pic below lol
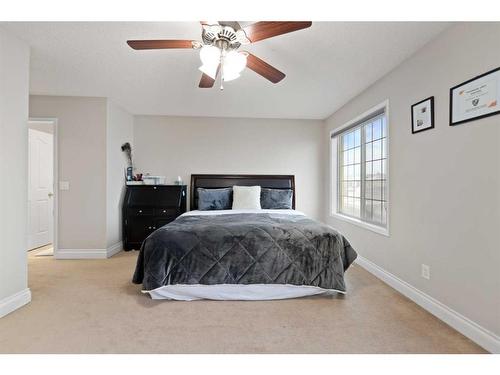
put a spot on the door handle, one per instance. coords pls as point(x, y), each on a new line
point(50, 195)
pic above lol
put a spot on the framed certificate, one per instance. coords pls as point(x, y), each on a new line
point(422, 115)
point(476, 98)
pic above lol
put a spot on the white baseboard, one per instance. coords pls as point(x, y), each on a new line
point(114, 249)
point(81, 254)
point(89, 253)
point(481, 336)
point(15, 301)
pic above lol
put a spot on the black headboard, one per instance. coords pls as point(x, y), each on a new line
point(214, 181)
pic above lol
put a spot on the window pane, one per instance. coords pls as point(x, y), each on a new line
point(377, 190)
point(384, 173)
point(377, 150)
point(345, 204)
point(377, 129)
point(368, 189)
point(377, 212)
point(357, 155)
point(377, 170)
point(356, 207)
point(357, 189)
point(384, 147)
point(357, 137)
point(345, 141)
point(368, 209)
point(384, 127)
point(357, 172)
point(368, 170)
point(368, 151)
point(368, 132)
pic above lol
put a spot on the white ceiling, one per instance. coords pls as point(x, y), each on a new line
point(326, 65)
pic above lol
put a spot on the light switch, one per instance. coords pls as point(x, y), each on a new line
point(63, 185)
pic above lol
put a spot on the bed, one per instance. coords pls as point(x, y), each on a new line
point(247, 254)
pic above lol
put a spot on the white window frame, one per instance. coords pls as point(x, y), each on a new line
point(333, 160)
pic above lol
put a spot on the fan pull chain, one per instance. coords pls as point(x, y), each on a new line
point(222, 73)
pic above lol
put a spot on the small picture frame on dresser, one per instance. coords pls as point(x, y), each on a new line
point(422, 115)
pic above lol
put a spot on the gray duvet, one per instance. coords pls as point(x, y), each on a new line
point(262, 248)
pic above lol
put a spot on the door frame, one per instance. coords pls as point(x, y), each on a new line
point(55, 187)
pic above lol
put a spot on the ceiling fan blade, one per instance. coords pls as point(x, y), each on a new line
point(206, 82)
point(264, 69)
point(268, 29)
point(160, 44)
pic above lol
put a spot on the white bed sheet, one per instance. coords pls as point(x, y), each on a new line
point(228, 212)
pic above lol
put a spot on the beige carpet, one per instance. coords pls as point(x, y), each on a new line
point(90, 306)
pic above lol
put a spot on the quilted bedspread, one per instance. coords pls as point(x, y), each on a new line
point(260, 248)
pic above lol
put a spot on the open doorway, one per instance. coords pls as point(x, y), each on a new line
point(42, 197)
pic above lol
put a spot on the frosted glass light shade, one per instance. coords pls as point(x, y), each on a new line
point(234, 64)
point(210, 58)
point(210, 55)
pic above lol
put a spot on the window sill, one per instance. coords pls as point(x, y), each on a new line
point(362, 224)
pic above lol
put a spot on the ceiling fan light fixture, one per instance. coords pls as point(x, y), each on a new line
point(210, 55)
point(234, 64)
point(230, 75)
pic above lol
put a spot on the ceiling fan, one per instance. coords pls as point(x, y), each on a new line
point(219, 48)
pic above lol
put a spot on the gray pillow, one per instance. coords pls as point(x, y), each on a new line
point(276, 198)
point(215, 199)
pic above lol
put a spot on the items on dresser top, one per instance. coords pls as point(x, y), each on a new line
point(154, 180)
point(149, 207)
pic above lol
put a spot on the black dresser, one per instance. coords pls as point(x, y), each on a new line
point(149, 207)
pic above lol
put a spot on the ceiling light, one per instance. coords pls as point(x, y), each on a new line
point(210, 57)
point(234, 64)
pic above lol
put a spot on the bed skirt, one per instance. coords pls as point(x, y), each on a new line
point(236, 292)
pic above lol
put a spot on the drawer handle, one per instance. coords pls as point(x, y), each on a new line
point(164, 211)
point(154, 227)
point(140, 211)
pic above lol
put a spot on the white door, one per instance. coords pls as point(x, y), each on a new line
point(40, 189)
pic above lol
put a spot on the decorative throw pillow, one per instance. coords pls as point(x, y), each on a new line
point(276, 199)
point(246, 197)
point(214, 199)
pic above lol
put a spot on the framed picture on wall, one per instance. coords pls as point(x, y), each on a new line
point(422, 115)
point(476, 98)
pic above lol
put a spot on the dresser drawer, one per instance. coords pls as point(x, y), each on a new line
point(141, 211)
point(165, 212)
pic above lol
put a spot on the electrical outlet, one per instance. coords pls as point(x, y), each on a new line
point(426, 272)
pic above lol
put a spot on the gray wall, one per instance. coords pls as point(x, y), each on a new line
point(82, 162)
point(444, 183)
point(119, 130)
point(14, 87)
point(175, 146)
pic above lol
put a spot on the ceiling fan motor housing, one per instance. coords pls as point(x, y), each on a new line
point(223, 37)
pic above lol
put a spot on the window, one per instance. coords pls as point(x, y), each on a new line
point(359, 152)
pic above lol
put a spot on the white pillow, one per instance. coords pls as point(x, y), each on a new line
point(246, 197)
